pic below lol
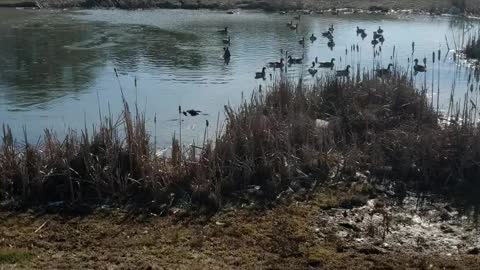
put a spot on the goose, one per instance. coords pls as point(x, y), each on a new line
point(380, 30)
point(331, 29)
point(343, 73)
point(381, 39)
point(302, 41)
point(224, 31)
point(360, 31)
point(226, 53)
point(260, 75)
point(374, 42)
point(290, 23)
point(312, 69)
point(331, 44)
point(327, 64)
point(227, 40)
point(384, 71)
point(294, 26)
point(276, 64)
point(192, 112)
point(419, 68)
point(376, 35)
point(313, 37)
point(327, 34)
point(363, 35)
point(292, 60)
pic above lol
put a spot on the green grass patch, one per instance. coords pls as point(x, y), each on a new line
point(14, 256)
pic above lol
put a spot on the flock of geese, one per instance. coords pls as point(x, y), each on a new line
point(377, 38)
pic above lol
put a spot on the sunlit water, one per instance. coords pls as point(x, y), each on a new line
point(57, 68)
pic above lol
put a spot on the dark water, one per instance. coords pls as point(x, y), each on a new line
point(57, 68)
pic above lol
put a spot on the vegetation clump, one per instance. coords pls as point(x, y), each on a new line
point(291, 137)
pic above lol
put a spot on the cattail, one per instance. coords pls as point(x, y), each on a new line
point(206, 123)
point(439, 53)
point(425, 61)
point(116, 73)
point(179, 109)
point(433, 57)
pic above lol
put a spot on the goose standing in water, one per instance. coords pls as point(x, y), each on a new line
point(312, 69)
point(380, 30)
point(419, 68)
point(313, 37)
point(260, 75)
point(384, 71)
point(226, 40)
point(224, 31)
point(343, 73)
point(226, 54)
point(327, 64)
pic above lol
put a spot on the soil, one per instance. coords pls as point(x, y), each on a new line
point(332, 229)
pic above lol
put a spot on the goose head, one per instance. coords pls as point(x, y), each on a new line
point(416, 61)
point(331, 61)
point(348, 68)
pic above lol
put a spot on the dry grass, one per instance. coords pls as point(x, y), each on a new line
point(270, 145)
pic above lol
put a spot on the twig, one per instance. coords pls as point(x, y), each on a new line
point(41, 226)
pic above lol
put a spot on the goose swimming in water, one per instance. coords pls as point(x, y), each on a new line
point(312, 69)
point(191, 112)
point(327, 64)
point(294, 26)
point(292, 60)
point(276, 64)
point(384, 71)
point(313, 37)
point(260, 75)
point(419, 68)
point(331, 29)
point(360, 31)
point(381, 39)
point(374, 42)
point(376, 35)
point(327, 34)
point(343, 73)
point(331, 43)
point(227, 40)
point(380, 30)
point(302, 41)
point(363, 35)
point(224, 31)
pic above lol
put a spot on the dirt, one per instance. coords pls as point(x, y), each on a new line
point(332, 229)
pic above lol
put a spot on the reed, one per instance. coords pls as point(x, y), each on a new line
point(289, 137)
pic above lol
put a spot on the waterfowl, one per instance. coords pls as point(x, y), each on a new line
point(360, 31)
point(302, 41)
point(331, 29)
point(380, 30)
point(419, 68)
point(226, 53)
point(313, 38)
point(327, 34)
point(381, 39)
point(292, 60)
point(260, 75)
point(290, 23)
point(327, 64)
point(276, 64)
point(224, 31)
point(226, 41)
point(363, 35)
point(374, 42)
point(343, 73)
point(376, 35)
point(384, 71)
point(192, 112)
point(294, 26)
point(312, 69)
point(331, 44)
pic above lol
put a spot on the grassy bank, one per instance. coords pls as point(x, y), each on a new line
point(472, 49)
point(289, 138)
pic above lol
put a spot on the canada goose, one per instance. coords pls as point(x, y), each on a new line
point(312, 69)
point(327, 64)
point(363, 35)
point(376, 35)
point(224, 31)
point(294, 26)
point(380, 30)
point(419, 68)
point(292, 60)
point(313, 37)
point(384, 71)
point(331, 29)
point(276, 64)
point(192, 112)
point(327, 34)
point(343, 73)
point(381, 39)
point(374, 42)
point(227, 40)
point(360, 31)
point(226, 53)
point(290, 23)
point(260, 75)
point(302, 41)
point(331, 44)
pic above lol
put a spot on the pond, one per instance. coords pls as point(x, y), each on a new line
point(57, 68)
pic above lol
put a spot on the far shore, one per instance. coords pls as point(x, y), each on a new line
point(320, 6)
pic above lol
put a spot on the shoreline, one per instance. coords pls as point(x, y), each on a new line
point(305, 6)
